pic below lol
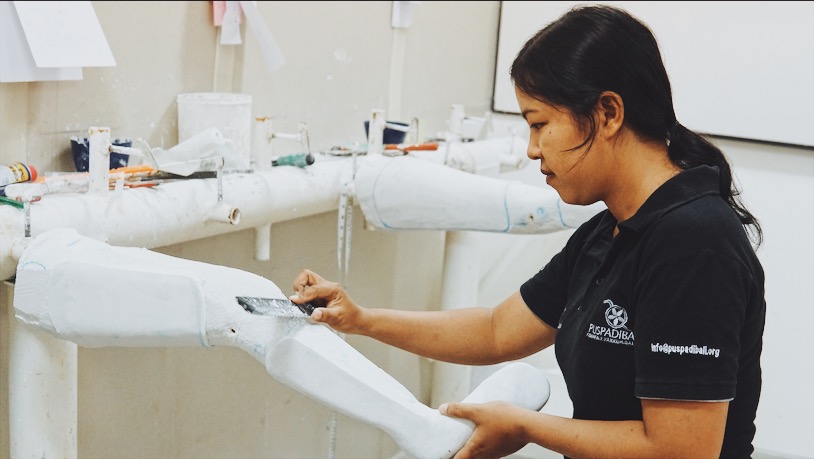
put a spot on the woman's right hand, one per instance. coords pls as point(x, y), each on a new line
point(335, 306)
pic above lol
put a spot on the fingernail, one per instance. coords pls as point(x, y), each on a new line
point(443, 408)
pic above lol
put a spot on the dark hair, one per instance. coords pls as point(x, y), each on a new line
point(593, 49)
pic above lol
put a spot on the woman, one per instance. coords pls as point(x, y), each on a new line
point(655, 306)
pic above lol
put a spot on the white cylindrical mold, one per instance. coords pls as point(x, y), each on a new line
point(407, 193)
point(230, 113)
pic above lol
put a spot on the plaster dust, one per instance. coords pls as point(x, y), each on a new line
point(96, 295)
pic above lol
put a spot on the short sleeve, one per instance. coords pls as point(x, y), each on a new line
point(546, 292)
point(689, 315)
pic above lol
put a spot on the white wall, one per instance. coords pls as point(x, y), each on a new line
point(713, 51)
point(778, 187)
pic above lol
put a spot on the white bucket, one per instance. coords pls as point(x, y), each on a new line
point(230, 113)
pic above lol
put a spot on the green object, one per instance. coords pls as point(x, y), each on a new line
point(11, 202)
point(299, 160)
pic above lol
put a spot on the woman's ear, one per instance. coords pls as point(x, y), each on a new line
point(610, 110)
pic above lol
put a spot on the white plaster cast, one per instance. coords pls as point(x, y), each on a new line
point(94, 294)
point(406, 193)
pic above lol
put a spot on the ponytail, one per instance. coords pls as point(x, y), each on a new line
point(688, 149)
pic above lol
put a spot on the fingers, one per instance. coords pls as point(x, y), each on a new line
point(334, 307)
point(472, 448)
point(306, 278)
point(457, 410)
point(302, 284)
point(310, 287)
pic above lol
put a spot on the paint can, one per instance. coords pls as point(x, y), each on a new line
point(14, 173)
point(394, 132)
point(230, 113)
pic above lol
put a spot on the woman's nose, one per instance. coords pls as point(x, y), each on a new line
point(533, 151)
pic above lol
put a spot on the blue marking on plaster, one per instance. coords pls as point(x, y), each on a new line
point(506, 208)
point(559, 210)
point(36, 263)
point(375, 205)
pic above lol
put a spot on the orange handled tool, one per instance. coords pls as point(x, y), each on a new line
point(415, 147)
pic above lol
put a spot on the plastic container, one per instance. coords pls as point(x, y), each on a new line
point(15, 173)
point(230, 113)
point(79, 150)
point(390, 135)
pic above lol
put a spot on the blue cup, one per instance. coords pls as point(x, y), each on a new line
point(79, 150)
point(390, 135)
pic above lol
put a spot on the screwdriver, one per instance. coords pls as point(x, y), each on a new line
point(299, 160)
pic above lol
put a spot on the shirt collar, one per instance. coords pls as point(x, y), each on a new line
point(684, 187)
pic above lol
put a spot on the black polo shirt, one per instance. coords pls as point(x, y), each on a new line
point(671, 308)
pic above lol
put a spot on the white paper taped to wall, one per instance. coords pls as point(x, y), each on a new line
point(66, 285)
point(64, 34)
point(269, 50)
point(230, 24)
point(16, 62)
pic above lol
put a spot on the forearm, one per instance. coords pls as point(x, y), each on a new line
point(577, 438)
point(461, 336)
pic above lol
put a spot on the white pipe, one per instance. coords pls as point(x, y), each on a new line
point(179, 211)
point(459, 289)
point(261, 148)
point(262, 242)
point(99, 159)
point(42, 394)
point(223, 213)
point(375, 133)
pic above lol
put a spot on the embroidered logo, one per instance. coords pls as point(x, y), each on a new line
point(616, 332)
point(615, 316)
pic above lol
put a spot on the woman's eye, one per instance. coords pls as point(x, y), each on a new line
point(537, 126)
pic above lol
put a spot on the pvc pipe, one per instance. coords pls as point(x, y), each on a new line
point(179, 211)
point(375, 133)
point(99, 159)
point(459, 289)
point(42, 392)
point(262, 242)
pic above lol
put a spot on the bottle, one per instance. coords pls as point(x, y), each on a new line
point(14, 173)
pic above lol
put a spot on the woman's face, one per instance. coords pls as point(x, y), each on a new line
point(575, 174)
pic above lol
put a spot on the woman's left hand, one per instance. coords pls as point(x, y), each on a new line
point(499, 430)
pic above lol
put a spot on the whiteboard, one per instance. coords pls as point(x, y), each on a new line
point(738, 69)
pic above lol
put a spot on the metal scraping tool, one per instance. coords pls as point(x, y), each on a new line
point(279, 307)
